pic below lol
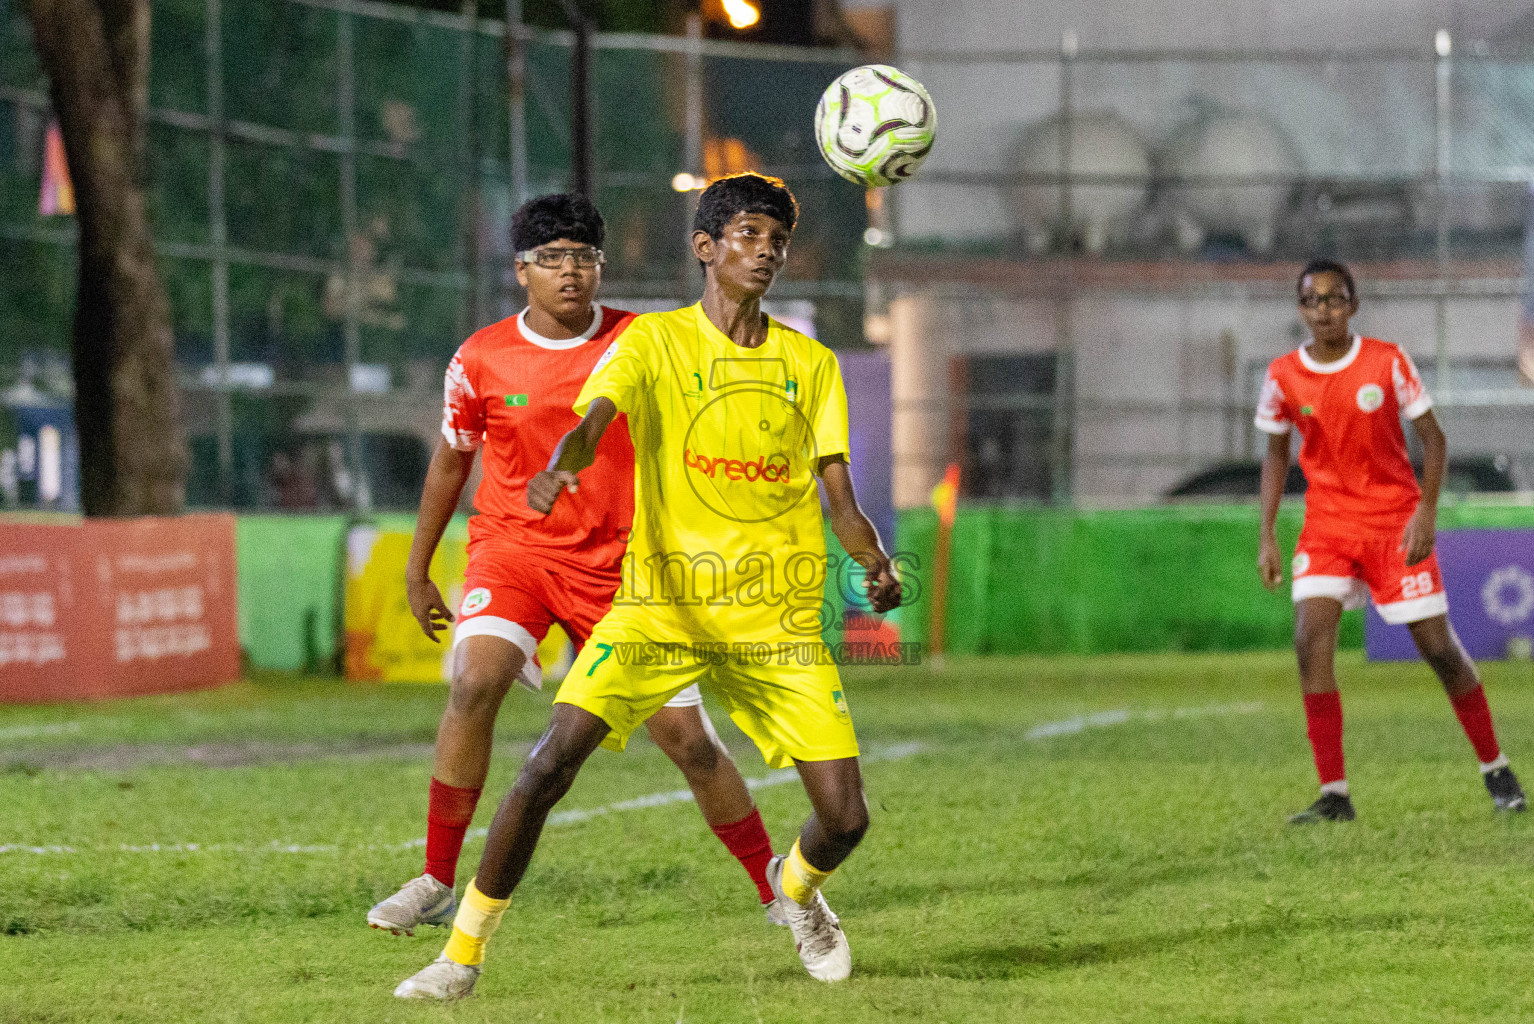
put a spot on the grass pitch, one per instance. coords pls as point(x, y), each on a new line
point(1053, 840)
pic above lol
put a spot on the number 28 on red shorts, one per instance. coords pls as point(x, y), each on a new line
point(1353, 569)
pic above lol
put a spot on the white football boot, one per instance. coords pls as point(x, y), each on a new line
point(817, 933)
point(422, 900)
point(776, 915)
point(442, 979)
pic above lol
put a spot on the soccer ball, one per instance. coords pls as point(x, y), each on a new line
point(875, 125)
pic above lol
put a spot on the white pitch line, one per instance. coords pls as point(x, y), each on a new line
point(894, 752)
point(65, 728)
point(1120, 716)
point(677, 796)
point(1069, 726)
point(26, 732)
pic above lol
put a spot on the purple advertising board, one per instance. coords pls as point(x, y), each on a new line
point(1489, 577)
point(869, 415)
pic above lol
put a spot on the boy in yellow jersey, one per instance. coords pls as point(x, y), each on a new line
point(732, 416)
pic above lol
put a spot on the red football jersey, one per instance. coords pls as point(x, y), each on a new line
point(510, 392)
point(1349, 416)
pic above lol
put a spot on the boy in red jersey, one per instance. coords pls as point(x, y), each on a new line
point(1369, 529)
point(509, 391)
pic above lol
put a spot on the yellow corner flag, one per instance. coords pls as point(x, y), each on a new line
point(945, 496)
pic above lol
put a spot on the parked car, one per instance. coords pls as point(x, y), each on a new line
point(1242, 478)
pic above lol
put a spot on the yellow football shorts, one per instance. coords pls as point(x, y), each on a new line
point(786, 696)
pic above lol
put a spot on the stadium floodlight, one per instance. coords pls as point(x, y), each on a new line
point(742, 13)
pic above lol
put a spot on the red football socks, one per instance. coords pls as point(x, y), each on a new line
point(747, 840)
point(448, 813)
point(1323, 724)
point(1470, 707)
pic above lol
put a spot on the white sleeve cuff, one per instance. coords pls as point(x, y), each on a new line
point(1418, 407)
point(1268, 426)
point(461, 440)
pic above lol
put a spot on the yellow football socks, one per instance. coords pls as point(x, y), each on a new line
point(801, 879)
point(478, 917)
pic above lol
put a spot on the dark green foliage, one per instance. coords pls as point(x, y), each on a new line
point(178, 185)
point(189, 286)
point(414, 65)
point(178, 56)
point(280, 66)
point(37, 286)
point(278, 316)
point(284, 200)
point(430, 118)
point(18, 63)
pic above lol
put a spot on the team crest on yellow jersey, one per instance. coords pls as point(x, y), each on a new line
point(749, 452)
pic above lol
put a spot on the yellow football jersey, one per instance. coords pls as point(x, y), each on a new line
point(727, 543)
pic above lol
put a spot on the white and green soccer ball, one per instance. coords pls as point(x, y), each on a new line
point(875, 125)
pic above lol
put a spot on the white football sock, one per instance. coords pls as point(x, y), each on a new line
point(1487, 767)
point(1340, 787)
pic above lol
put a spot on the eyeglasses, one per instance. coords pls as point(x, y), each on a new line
point(553, 259)
point(1333, 301)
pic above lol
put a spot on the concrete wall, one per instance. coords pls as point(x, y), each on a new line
point(1177, 24)
point(1151, 372)
point(1367, 117)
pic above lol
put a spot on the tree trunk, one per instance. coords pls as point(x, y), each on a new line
point(132, 454)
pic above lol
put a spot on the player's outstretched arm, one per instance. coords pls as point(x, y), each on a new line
point(1422, 528)
point(1275, 470)
point(445, 478)
point(858, 536)
point(575, 451)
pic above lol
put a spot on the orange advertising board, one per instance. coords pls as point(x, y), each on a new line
point(116, 608)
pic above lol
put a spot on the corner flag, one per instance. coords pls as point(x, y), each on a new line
point(945, 498)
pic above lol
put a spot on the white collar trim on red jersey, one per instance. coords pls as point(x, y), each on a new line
point(1336, 366)
point(559, 344)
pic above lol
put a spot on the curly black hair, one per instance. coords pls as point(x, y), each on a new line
point(744, 193)
point(542, 220)
point(1327, 267)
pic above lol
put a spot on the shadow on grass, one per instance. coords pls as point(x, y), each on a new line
point(1105, 881)
point(1002, 961)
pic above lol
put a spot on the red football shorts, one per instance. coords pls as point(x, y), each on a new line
point(1355, 566)
point(517, 599)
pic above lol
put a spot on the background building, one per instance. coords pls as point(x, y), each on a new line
point(1086, 312)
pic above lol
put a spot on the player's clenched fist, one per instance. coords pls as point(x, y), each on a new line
point(1420, 535)
point(1269, 564)
point(546, 486)
point(427, 606)
point(882, 587)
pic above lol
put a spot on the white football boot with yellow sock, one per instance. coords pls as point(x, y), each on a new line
point(453, 974)
point(817, 933)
